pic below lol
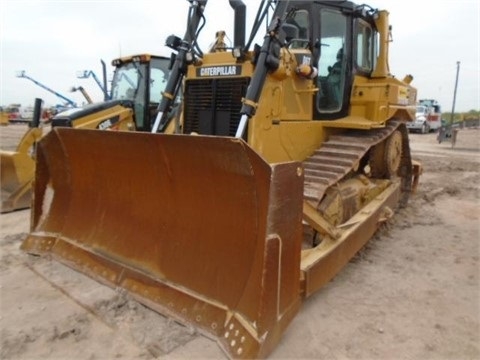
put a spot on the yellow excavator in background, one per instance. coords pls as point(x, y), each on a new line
point(136, 88)
point(3, 117)
point(285, 160)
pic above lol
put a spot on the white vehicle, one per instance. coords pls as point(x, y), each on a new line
point(420, 124)
point(27, 113)
point(434, 115)
point(428, 117)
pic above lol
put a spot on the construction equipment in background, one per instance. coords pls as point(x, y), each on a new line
point(137, 84)
point(136, 90)
point(85, 74)
point(17, 167)
point(3, 117)
point(69, 102)
point(84, 93)
point(294, 164)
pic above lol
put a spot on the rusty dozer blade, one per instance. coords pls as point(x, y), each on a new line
point(198, 228)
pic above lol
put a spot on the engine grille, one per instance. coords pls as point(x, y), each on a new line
point(212, 106)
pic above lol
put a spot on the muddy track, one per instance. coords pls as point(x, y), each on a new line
point(337, 157)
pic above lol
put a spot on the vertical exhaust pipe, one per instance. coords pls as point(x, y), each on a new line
point(382, 69)
point(106, 96)
point(239, 22)
point(37, 113)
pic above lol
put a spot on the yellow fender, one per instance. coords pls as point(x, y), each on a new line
point(16, 172)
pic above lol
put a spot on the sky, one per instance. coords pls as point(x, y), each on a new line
point(51, 40)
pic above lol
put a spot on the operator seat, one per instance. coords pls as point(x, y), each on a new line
point(334, 81)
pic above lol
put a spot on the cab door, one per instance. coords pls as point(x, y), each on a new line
point(334, 62)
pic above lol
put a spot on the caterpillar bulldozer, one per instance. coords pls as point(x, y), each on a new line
point(279, 168)
point(136, 90)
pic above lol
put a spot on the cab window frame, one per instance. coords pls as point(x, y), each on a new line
point(365, 47)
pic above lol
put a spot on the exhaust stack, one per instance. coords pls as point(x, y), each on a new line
point(240, 20)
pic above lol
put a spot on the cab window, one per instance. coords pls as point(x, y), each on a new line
point(300, 24)
point(158, 79)
point(365, 48)
point(332, 64)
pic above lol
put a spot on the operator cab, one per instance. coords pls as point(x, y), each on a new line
point(141, 79)
point(342, 38)
point(138, 83)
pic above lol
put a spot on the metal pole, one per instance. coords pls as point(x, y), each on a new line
point(455, 93)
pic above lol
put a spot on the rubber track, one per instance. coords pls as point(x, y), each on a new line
point(337, 157)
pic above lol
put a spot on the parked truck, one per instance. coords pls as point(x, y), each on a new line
point(428, 117)
point(433, 112)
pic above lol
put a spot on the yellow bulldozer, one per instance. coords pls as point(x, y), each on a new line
point(136, 89)
point(285, 159)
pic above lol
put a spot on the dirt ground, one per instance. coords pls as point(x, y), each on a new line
point(412, 293)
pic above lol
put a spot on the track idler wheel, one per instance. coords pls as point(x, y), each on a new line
point(393, 153)
point(385, 158)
